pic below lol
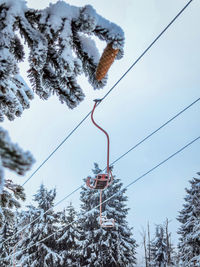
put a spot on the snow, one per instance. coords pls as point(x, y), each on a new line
point(88, 18)
point(2, 182)
point(115, 32)
point(88, 46)
point(62, 10)
point(16, 6)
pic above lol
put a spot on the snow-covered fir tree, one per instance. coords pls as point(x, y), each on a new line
point(176, 258)
point(159, 248)
point(60, 48)
point(9, 202)
point(33, 254)
point(67, 238)
point(189, 230)
point(6, 247)
point(159, 251)
point(102, 246)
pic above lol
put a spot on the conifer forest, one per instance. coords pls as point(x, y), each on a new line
point(122, 83)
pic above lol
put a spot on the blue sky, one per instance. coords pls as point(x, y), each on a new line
point(165, 81)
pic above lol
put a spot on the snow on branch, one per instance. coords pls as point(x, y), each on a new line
point(60, 49)
point(12, 157)
point(9, 201)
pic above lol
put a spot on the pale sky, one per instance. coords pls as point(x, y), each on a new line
point(165, 81)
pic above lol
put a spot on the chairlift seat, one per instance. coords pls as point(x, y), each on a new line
point(107, 223)
point(101, 181)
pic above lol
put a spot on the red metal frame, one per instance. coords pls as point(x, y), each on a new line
point(100, 183)
point(108, 140)
point(102, 180)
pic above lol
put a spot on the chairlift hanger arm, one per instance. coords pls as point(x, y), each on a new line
point(99, 127)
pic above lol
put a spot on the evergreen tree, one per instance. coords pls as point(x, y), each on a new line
point(67, 238)
point(109, 247)
point(9, 201)
point(176, 258)
point(171, 253)
point(60, 49)
point(189, 231)
point(159, 248)
point(43, 253)
point(5, 247)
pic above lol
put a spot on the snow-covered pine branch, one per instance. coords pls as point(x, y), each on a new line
point(9, 200)
point(60, 48)
point(12, 157)
point(15, 159)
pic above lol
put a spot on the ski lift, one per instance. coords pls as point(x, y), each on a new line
point(101, 180)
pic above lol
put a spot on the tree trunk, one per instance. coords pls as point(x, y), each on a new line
point(145, 250)
point(168, 243)
point(149, 244)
